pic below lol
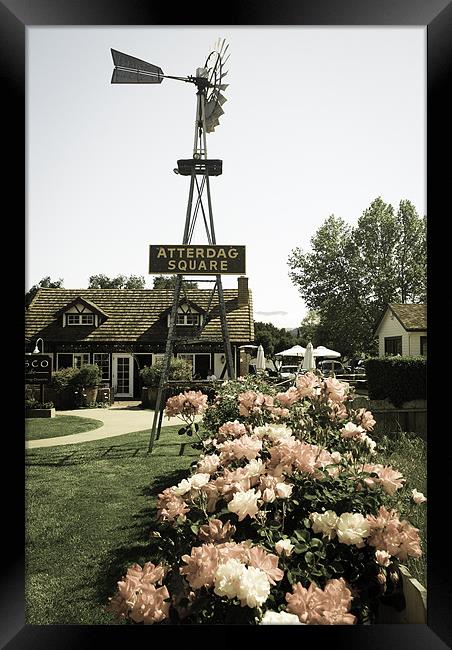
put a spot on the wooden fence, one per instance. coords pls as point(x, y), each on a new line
point(410, 417)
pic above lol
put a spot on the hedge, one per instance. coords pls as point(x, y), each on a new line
point(396, 378)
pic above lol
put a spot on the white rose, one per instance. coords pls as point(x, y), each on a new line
point(324, 523)
point(268, 495)
point(254, 468)
point(198, 481)
point(418, 497)
point(352, 528)
point(383, 558)
point(278, 431)
point(244, 503)
point(284, 547)
point(182, 488)
point(279, 618)
point(283, 490)
point(227, 578)
point(254, 587)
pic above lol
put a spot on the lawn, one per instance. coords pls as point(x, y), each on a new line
point(407, 453)
point(88, 510)
point(60, 425)
point(87, 518)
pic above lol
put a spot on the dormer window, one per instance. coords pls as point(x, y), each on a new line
point(187, 319)
point(79, 319)
point(81, 312)
point(187, 315)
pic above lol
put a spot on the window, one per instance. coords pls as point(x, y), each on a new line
point(187, 319)
point(424, 346)
point(69, 360)
point(80, 319)
point(102, 359)
point(186, 315)
point(393, 345)
point(80, 359)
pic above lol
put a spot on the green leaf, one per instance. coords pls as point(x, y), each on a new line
point(309, 558)
point(316, 543)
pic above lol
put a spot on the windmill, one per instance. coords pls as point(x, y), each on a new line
point(210, 86)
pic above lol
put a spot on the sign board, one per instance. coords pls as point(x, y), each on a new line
point(197, 260)
point(38, 368)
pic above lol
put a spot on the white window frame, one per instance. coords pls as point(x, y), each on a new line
point(184, 314)
point(74, 354)
point(104, 354)
point(80, 317)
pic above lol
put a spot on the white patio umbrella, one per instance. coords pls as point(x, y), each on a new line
point(294, 351)
point(309, 358)
point(260, 359)
point(322, 351)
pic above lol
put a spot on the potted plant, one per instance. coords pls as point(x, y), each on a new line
point(180, 369)
point(61, 390)
point(86, 384)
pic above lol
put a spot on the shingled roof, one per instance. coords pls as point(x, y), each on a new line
point(413, 317)
point(134, 315)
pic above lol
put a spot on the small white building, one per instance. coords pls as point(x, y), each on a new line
point(402, 329)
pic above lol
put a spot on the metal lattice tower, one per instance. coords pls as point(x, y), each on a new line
point(200, 169)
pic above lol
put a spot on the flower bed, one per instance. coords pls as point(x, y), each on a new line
point(285, 518)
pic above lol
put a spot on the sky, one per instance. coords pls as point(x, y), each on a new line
point(318, 121)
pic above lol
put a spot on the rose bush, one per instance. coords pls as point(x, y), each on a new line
point(285, 518)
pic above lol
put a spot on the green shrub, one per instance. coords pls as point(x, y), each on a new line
point(34, 404)
point(62, 379)
point(87, 377)
point(180, 369)
point(225, 407)
point(396, 378)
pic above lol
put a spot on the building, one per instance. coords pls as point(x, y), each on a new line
point(122, 330)
point(402, 329)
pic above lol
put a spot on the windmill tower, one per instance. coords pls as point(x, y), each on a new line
point(209, 102)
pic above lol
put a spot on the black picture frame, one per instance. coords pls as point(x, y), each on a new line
point(15, 17)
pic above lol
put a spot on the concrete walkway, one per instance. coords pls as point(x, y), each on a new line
point(119, 419)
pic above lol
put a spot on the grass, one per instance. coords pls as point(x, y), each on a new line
point(88, 510)
point(60, 425)
point(87, 518)
point(407, 453)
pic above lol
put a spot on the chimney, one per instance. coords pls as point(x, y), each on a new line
point(243, 297)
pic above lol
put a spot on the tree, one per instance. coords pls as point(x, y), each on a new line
point(169, 281)
point(273, 339)
point(351, 274)
point(46, 283)
point(308, 330)
point(120, 282)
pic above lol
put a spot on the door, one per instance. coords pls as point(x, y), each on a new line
point(123, 375)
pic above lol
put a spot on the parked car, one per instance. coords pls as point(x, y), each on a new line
point(326, 367)
point(288, 372)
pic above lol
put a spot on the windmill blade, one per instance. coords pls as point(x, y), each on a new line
point(222, 46)
point(217, 111)
point(225, 60)
point(223, 87)
point(221, 99)
point(126, 63)
point(211, 125)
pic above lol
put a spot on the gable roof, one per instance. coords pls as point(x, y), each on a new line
point(84, 301)
point(134, 315)
point(412, 317)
